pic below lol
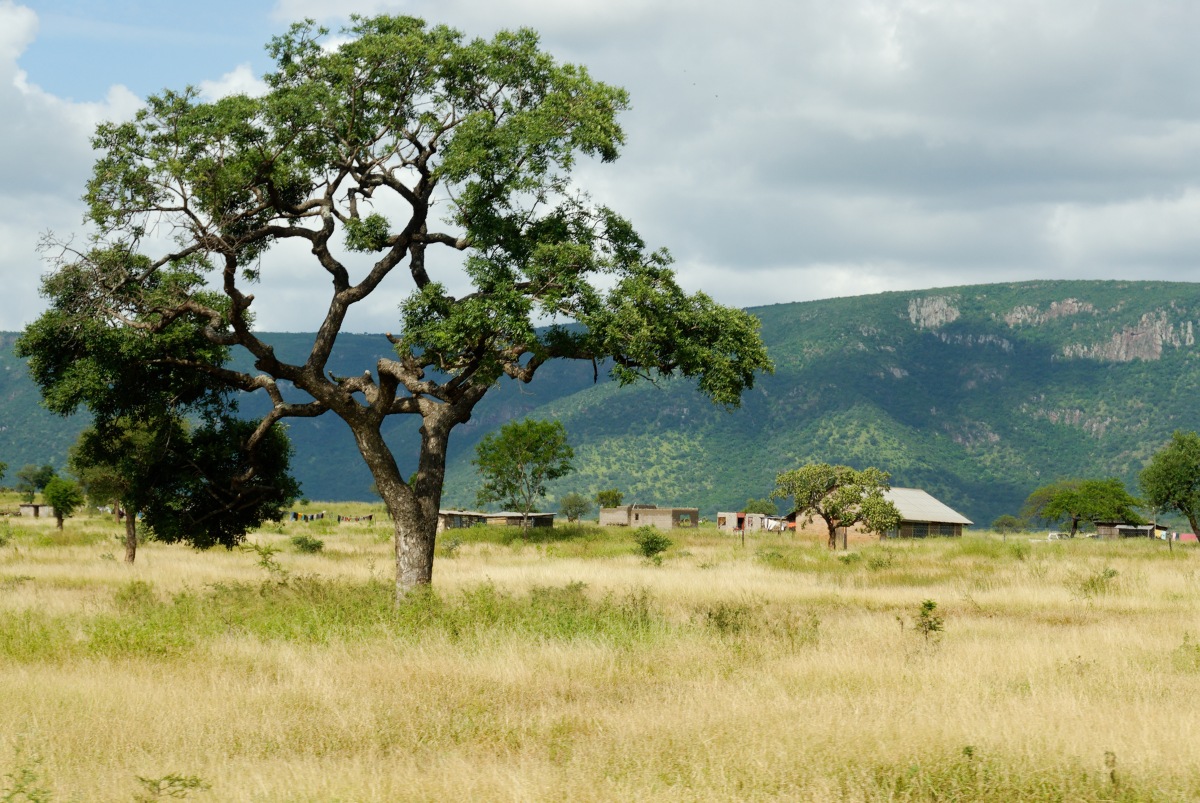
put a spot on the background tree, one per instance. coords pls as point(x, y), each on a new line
point(189, 484)
point(3, 468)
point(32, 479)
point(766, 506)
point(64, 496)
point(1171, 481)
point(351, 150)
point(574, 506)
point(609, 498)
point(517, 461)
point(1007, 523)
point(1088, 500)
point(840, 496)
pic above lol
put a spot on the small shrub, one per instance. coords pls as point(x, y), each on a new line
point(1089, 586)
point(651, 543)
point(266, 558)
point(928, 623)
point(728, 618)
point(25, 783)
point(173, 785)
point(850, 558)
point(5, 534)
point(451, 546)
point(880, 559)
point(307, 544)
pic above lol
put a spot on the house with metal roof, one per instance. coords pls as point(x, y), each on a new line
point(921, 515)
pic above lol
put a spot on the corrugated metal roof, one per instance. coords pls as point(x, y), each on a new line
point(916, 505)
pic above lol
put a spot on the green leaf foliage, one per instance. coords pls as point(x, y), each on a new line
point(1171, 482)
point(840, 496)
point(64, 496)
point(517, 461)
point(1091, 500)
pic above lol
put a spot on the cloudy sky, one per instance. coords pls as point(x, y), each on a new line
point(788, 150)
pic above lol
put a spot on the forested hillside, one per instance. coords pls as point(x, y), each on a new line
point(977, 394)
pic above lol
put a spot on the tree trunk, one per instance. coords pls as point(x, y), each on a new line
point(413, 505)
point(58, 519)
point(1074, 526)
point(130, 538)
point(1190, 515)
point(832, 535)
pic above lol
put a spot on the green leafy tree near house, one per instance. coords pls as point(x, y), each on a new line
point(766, 506)
point(516, 461)
point(840, 496)
point(1079, 500)
point(373, 153)
point(609, 498)
point(1171, 481)
point(574, 506)
point(65, 496)
point(32, 479)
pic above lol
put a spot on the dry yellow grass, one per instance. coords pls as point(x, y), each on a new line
point(777, 671)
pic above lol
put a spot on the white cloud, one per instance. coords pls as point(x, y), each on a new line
point(798, 150)
point(44, 160)
point(239, 81)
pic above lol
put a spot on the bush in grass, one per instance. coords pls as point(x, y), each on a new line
point(651, 543)
point(307, 544)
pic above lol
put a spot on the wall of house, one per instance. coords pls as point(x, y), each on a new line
point(922, 529)
point(615, 516)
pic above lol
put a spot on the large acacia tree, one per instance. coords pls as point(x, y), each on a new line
point(401, 142)
point(840, 496)
point(1083, 500)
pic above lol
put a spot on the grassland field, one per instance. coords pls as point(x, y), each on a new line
point(565, 666)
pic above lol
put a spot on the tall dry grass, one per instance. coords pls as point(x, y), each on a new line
point(566, 666)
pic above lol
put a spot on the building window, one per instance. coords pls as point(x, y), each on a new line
point(920, 530)
point(946, 529)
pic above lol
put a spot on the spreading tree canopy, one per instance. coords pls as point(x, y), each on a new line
point(1172, 479)
point(1083, 500)
point(31, 479)
point(374, 154)
point(840, 496)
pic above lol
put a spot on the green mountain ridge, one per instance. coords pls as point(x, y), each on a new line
point(976, 393)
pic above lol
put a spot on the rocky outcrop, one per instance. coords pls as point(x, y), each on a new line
point(931, 312)
point(1029, 315)
point(977, 340)
point(1144, 341)
point(1093, 425)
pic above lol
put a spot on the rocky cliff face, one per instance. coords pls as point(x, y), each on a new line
point(931, 312)
point(1145, 341)
point(1029, 315)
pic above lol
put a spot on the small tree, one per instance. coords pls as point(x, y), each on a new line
point(1083, 500)
point(64, 496)
point(765, 506)
point(518, 460)
point(33, 479)
point(574, 506)
point(1007, 523)
point(610, 498)
point(1172, 479)
point(651, 543)
point(841, 496)
point(3, 468)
